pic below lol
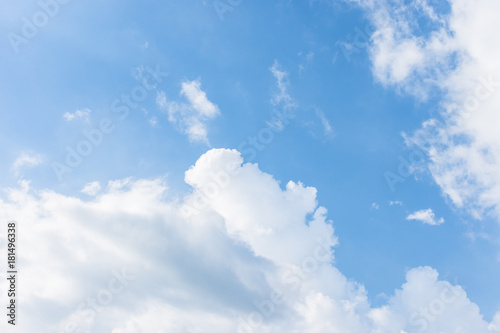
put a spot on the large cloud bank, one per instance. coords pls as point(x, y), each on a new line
point(238, 254)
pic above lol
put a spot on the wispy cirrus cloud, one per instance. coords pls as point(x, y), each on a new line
point(282, 84)
point(327, 127)
point(83, 114)
point(191, 117)
point(26, 160)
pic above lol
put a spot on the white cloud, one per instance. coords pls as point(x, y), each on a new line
point(252, 216)
point(309, 57)
point(396, 202)
point(191, 117)
point(198, 99)
point(425, 216)
point(425, 304)
point(375, 206)
point(282, 83)
point(161, 100)
point(473, 236)
point(495, 324)
point(225, 268)
point(458, 59)
point(153, 121)
point(91, 188)
point(83, 114)
point(26, 160)
point(328, 130)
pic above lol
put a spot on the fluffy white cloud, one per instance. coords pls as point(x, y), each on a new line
point(191, 117)
point(91, 188)
point(454, 54)
point(426, 216)
point(238, 254)
point(495, 324)
point(266, 220)
point(425, 304)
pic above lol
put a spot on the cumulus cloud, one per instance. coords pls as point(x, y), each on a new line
point(454, 55)
point(495, 324)
point(26, 160)
point(426, 216)
point(190, 117)
point(83, 114)
point(255, 257)
point(426, 304)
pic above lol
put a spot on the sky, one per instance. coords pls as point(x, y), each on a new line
point(251, 166)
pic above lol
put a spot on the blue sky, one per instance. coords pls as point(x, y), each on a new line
point(370, 91)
